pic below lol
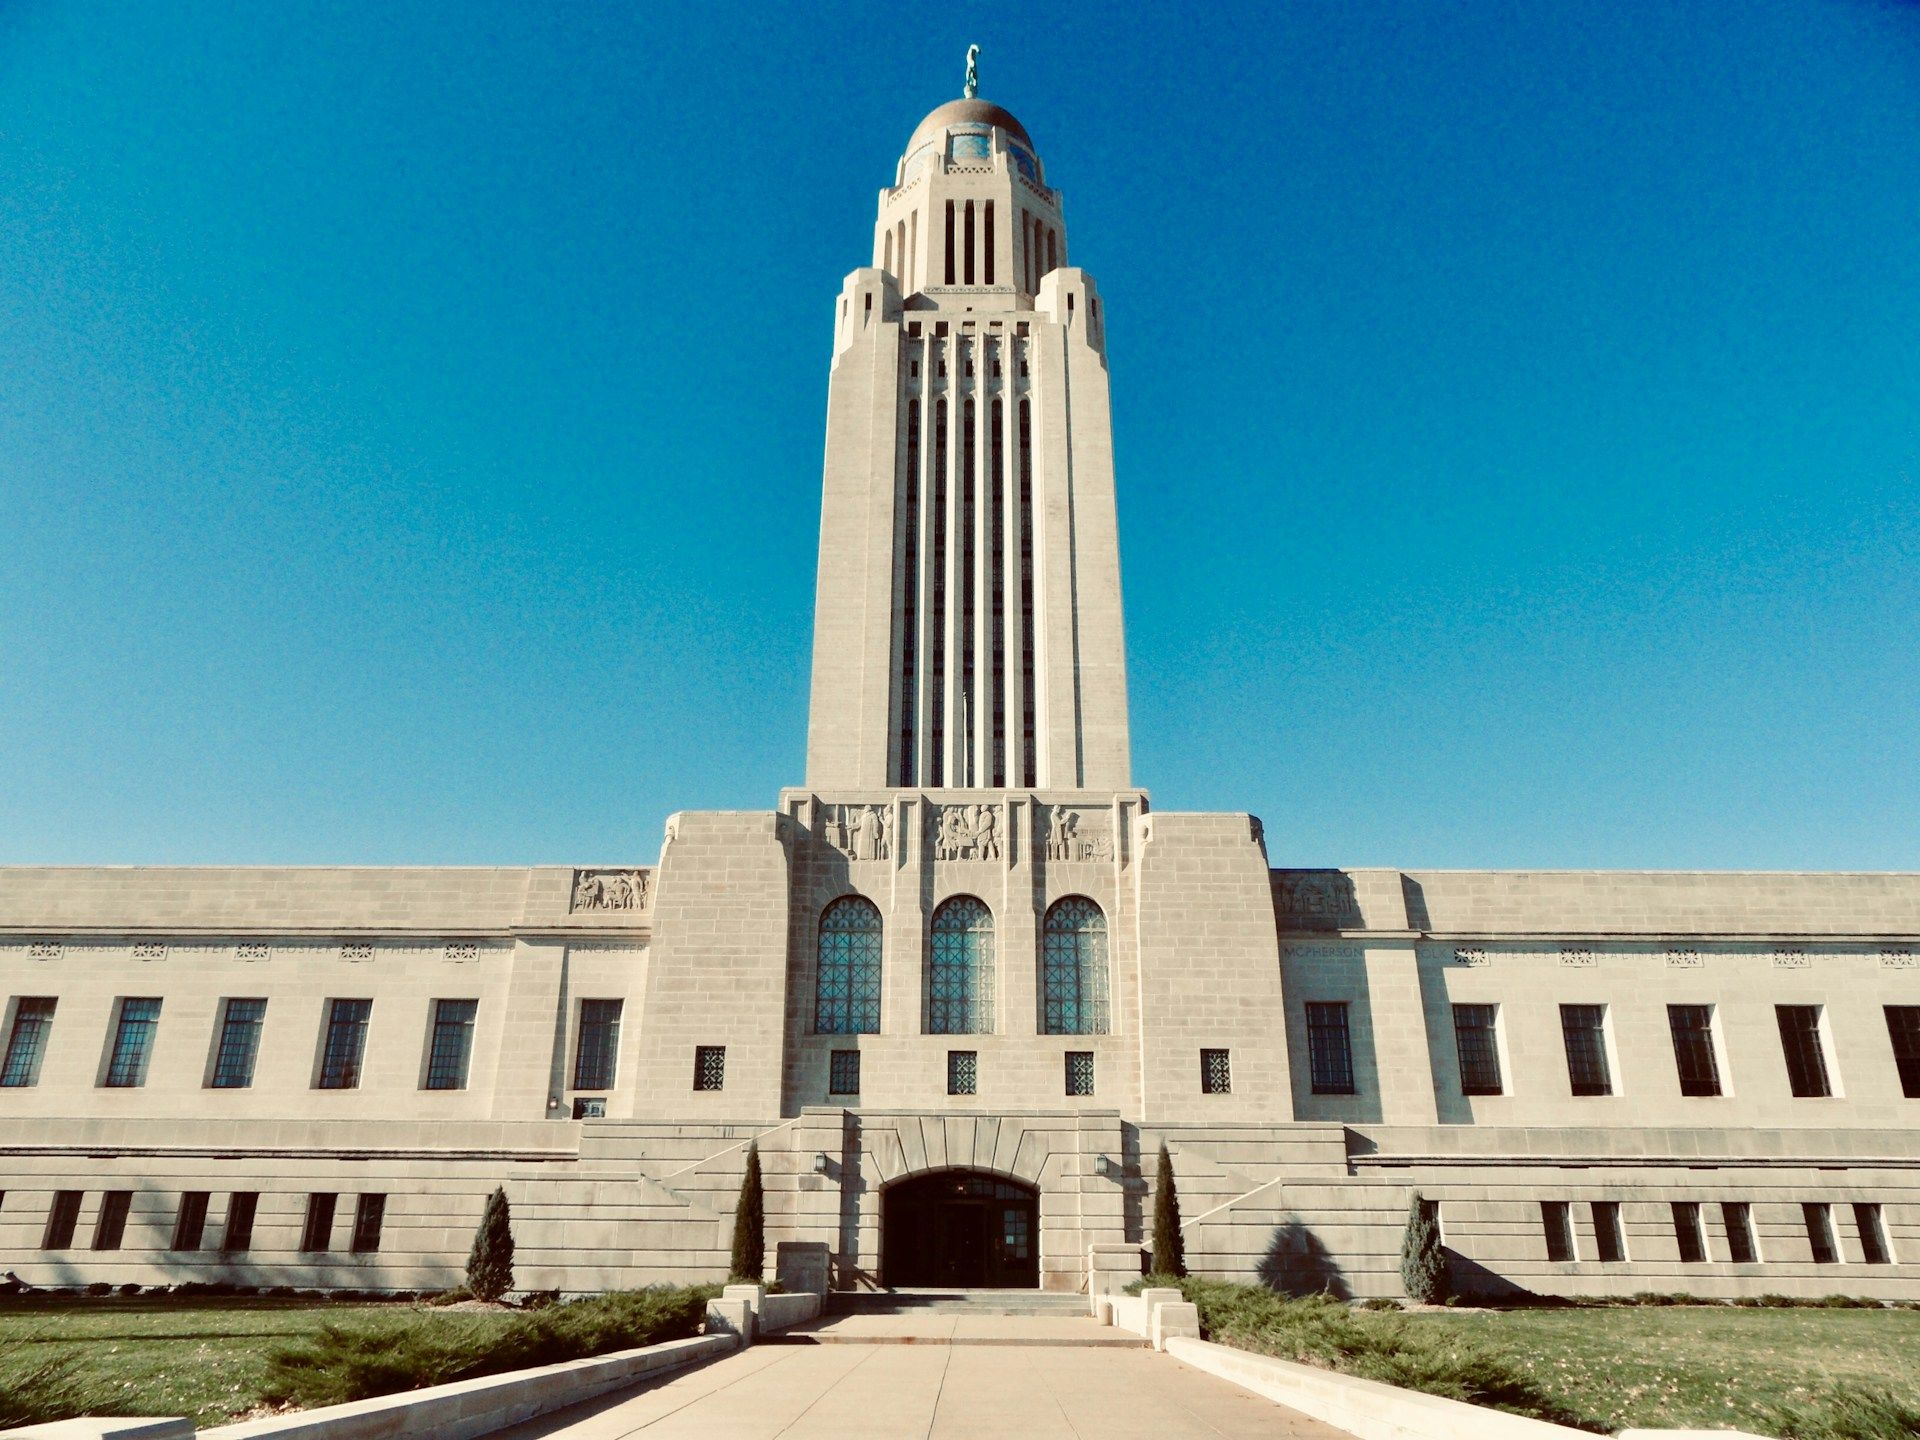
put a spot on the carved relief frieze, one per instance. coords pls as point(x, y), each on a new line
point(1898, 960)
point(1792, 960)
point(250, 954)
point(1684, 960)
point(609, 889)
point(859, 832)
point(462, 951)
point(150, 950)
point(356, 953)
point(965, 832)
point(1577, 957)
point(44, 950)
point(1316, 899)
point(1078, 834)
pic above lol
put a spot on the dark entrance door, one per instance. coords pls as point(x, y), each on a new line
point(960, 1228)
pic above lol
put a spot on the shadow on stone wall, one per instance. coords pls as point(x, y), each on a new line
point(1296, 1263)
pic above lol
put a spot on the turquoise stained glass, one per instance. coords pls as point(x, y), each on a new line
point(1073, 981)
point(960, 972)
point(847, 998)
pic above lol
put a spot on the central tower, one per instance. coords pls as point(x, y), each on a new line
point(967, 624)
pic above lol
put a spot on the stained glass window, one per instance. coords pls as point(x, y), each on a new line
point(847, 1001)
point(1073, 980)
point(960, 977)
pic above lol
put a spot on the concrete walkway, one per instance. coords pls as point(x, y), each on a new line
point(933, 1391)
point(955, 1327)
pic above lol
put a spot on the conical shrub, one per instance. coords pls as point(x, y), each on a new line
point(750, 1223)
point(1169, 1250)
point(1423, 1263)
point(490, 1266)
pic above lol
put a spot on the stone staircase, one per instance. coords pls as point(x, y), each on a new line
point(948, 1304)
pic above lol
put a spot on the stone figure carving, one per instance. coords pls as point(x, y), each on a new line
point(858, 832)
point(1073, 836)
point(966, 832)
point(972, 92)
point(1316, 899)
point(609, 889)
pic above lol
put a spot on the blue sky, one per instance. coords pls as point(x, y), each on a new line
point(411, 416)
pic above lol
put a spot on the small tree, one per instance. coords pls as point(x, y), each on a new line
point(1423, 1264)
point(1169, 1250)
point(750, 1223)
point(490, 1266)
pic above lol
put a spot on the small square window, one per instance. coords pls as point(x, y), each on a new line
point(843, 1072)
point(963, 1072)
point(710, 1067)
point(1216, 1072)
point(1079, 1072)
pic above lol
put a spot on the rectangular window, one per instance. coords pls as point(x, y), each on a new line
point(1079, 1072)
point(1819, 1220)
point(452, 1046)
point(1687, 1232)
point(190, 1224)
point(368, 1215)
point(61, 1218)
point(317, 1234)
point(1476, 1037)
point(1903, 1028)
point(843, 1072)
point(1737, 1216)
point(346, 1043)
point(1873, 1235)
point(963, 1072)
point(1556, 1220)
point(111, 1228)
point(27, 1040)
point(133, 1042)
point(709, 1067)
point(240, 1026)
point(1329, 1048)
point(590, 1107)
point(597, 1053)
point(1216, 1072)
point(1584, 1030)
point(242, 1206)
point(1693, 1048)
point(1806, 1058)
point(1609, 1242)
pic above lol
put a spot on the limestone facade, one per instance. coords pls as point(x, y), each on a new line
point(967, 949)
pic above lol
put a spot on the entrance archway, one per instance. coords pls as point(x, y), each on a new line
point(967, 1229)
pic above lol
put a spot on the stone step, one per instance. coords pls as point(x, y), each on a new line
point(949, 1303)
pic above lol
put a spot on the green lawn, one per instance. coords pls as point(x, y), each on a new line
point(163, 1356)
point(1704, 1366)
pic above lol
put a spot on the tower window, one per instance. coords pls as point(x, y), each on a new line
point(997, 585)
point(987, 236)
point(937, 613)
point(1476, 1038)
point(1806, 1058)
point(910, 601)
point(1693, 1048)
point(969, 242)
point(1030, 762)
point(1329, 1048)
point(949, 242)
point(1583, 1031)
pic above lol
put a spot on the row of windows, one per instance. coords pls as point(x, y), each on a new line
point(963, 1072)
point(190, 1221)
point(236, 1042)
point(1742, 1246)
point(960, 969)
point(1586, 1040)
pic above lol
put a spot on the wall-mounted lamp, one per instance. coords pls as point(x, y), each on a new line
point(821, 1165)
point(1103, 1167)
point(553, 1102)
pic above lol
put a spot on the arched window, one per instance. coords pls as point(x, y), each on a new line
point(847, 1001)
point(960, 971)
point(1073, 966)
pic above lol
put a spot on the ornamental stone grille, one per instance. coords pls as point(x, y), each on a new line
point(1216, 1072)
point(1074, 969)
point(963, 1072)
point(960, 973)
point(1079, 1072)
point(847, 998)
point(710, 1067)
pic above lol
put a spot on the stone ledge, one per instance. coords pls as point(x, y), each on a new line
point(1364, 1408)
point(472, 1408)
point(127, 1428)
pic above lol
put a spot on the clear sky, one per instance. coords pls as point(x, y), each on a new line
point(411, 415)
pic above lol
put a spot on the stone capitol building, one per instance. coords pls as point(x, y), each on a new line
point(963, 983)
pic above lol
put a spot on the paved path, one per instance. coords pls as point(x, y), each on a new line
point(951, 1326)
point(933, 1391)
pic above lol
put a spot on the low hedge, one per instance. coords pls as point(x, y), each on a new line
point(345, 1362)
